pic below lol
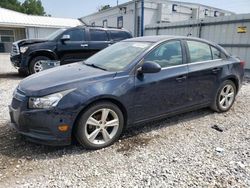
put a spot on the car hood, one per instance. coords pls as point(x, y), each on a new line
point(30, 41)
point(62, 78)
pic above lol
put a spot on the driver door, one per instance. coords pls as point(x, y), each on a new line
point(75, 49)
point(160, 93)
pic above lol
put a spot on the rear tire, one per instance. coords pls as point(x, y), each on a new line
point(99, 126)
point(225, 97)
point(35, 64)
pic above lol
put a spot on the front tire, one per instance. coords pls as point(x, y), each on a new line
point(36, 64)
point(100, 125)
point(225, 97)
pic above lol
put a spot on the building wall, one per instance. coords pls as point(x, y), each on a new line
point(9, 35)
point(111, 16)
point(158, 11)
point(15, 26)
point(225, 31)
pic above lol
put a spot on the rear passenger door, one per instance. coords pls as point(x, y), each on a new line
point(98, 40)
point(204, 70)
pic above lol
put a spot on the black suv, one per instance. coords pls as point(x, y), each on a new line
point(65, 45)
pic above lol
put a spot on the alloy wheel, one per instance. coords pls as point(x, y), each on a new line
point(101, 126)
point(38, 66)
point(226, 96)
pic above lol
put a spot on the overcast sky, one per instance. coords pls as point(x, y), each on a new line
point(79, 8)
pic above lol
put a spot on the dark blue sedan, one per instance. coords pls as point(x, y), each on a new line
point(133, 81)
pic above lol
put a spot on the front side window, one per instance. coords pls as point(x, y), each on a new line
point(166, 55)
point(98, 35)
point(76, 35)
point(199, 51)
point(55, 34)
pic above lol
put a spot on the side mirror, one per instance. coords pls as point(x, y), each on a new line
point(65, 38)
point(149, 67)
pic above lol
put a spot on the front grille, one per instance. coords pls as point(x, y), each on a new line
point(14, 50)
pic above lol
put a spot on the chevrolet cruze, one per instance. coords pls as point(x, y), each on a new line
point(130, 82)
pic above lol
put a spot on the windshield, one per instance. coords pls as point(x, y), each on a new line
point(117, 56)
point(55, 34)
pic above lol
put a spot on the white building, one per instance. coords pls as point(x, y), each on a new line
point(128, 15)
point(16, 26)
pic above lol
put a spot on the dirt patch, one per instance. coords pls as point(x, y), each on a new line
point(130, 144)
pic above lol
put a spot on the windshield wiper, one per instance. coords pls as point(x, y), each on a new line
point(95, 66)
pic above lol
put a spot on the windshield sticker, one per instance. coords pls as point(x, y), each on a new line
point(140, 45)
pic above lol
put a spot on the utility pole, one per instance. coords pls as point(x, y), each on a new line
point(142, 17)
point(135, 19)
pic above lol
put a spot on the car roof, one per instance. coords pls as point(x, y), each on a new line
point(162, 38)
point(159, 38)
point(103, 28)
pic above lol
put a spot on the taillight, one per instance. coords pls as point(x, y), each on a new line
point(242, 64)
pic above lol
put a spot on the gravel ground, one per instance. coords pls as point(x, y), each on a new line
point(181, 151)
point(5, 65)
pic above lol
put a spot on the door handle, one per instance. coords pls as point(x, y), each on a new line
point(215, 70)
point(181, 78)
point(84, 45)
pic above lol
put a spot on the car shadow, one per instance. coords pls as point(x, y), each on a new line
point(13, 145)
point(166, 122)
point(11, 75)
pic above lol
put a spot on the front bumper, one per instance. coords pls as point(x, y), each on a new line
point(40, 126)
point(15, 60)
point(20, 62)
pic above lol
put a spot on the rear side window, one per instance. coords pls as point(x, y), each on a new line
point(199, 51)
point(119, 35)
point(217, 54)
point(76, 35)
point(166, 55)
point(98, 35)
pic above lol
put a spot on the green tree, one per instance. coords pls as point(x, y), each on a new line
point(12, 5)
point(104, 7)
point(33, 7)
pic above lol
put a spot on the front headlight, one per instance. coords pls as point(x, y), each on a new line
point(48, 101)
point(23, 49)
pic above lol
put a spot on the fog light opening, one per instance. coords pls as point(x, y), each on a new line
point(63, 128)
